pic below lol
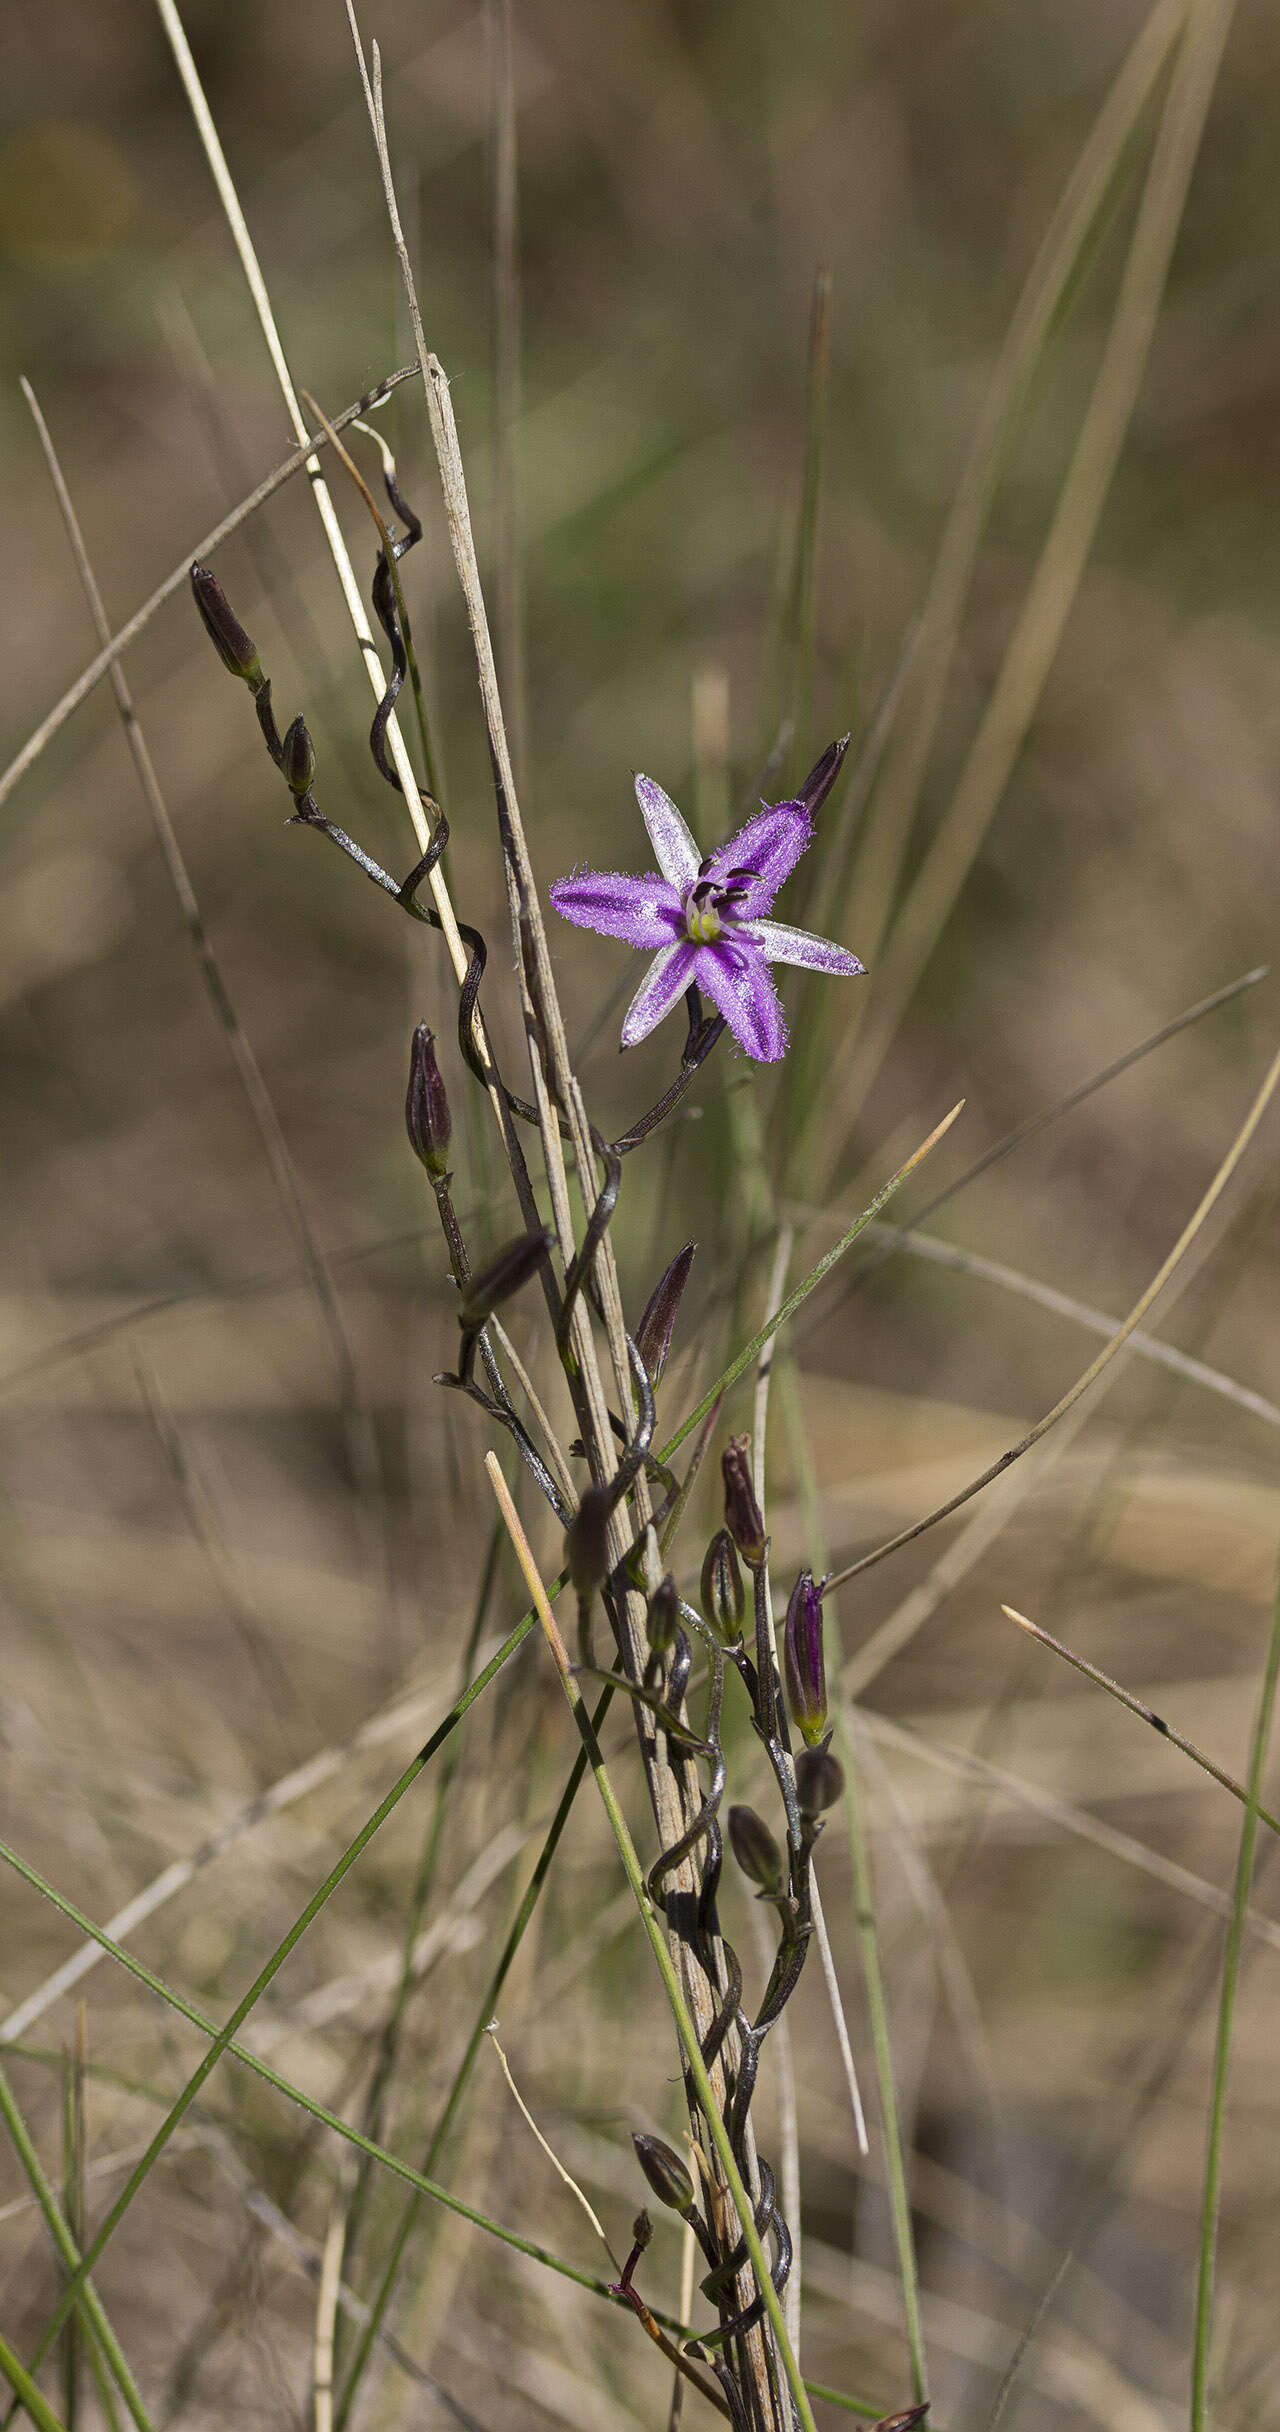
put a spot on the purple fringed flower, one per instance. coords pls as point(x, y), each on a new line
point(705, 920)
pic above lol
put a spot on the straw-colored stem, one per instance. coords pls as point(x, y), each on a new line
point(1061, 564)
point(1117, 1342)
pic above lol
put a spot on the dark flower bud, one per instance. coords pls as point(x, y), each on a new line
point(641, 2231)
point(822, 776)
point(298, 758)
point(223, 626)
point(426, 1108)
point(904, 2422)
point(656, 1327)
point(503, 1276)
point(665, 2172)
point(742, 1514)
point(662, 1620)
point(755, 1849)
point(803, 1662)
point(586, 1548)
point(724, 1599)
point(819, 1781)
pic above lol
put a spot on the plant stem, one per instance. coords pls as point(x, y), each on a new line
point(1226, 2019)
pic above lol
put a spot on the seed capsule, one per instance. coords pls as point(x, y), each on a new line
point(586, 1549)
point(665, 2172)
point(237, 653)
point(503, 1276)
point(662, 1620)
point(742, 1514)
point(298, 758)
point(656, 1327)
point(426, 1107)
point(724, 1600)
point(802, 1660)
point(819, 1781)
point(755, 1849)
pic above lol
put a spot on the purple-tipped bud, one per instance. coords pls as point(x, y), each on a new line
point(803, 1663)
point(724, 1599)
point(819, 1781)
point(426, 1108)
point(742, 1514)
point(665, 2172)
point(223, 626)
point(298, 758)
point(755, 1849)
point(822, 776)
point(503, 1276)
point(662, 1620)
point(656, 1327)
point(586, 1541)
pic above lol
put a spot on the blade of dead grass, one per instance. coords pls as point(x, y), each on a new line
point(379, 2087)
point(413, 802)
point(796, 1298)
point(1201, 2353)
point(508, 593)
point(176, 580)
point(1064, 1814)
point(1061, 564)
point(1108, 1352)
point(793, 686)
point(1082, 200)
point(281, 2085)
point(1145, 1713)
point(1063, 1304)
point(403, 1715)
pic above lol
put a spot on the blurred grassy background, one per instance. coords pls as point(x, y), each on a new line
point(198, 1593)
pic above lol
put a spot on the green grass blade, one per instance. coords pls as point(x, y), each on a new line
point(794, 1300)
point(882, 2045)
point(90, 2304)
point(26, 2392)
point(1226, 2019)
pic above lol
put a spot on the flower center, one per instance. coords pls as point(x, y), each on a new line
point(711, 907)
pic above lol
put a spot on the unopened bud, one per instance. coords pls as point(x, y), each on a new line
point(803, 1662)
point(656, 1327)
point(662, 1620)
point(822, 776)
point(223, 626)
point(641, 2231)
point(755, 1849)
point(819, 1781)
point(426, 1107)
point(724, 1600)
point(903, 2422)
point(503, 1276)
point(298, 758)
point(742, 1514)
point(586, 1549)
point(665, 2172)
